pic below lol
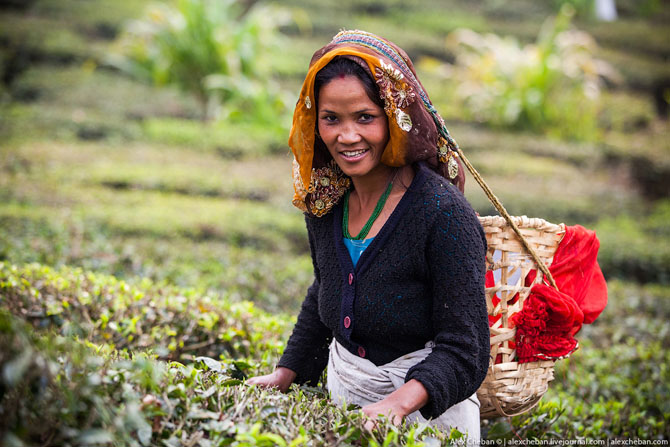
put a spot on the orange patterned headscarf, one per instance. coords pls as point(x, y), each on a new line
point(416, 131)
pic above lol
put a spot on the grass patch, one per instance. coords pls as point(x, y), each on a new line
point(640, 71)
point(632, 35)
point(626, 112)
point(43, 38)
point(78, 87)
point(643, 158)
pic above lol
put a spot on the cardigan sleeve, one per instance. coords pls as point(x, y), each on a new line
point(306, 352)
point(456, 252)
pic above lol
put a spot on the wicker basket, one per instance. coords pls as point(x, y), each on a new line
point(511, 388)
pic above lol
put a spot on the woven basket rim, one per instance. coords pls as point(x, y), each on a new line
point(522, 221)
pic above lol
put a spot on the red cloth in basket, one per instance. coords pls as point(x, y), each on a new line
point(550, 318)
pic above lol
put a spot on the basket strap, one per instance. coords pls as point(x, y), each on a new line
point(501, 209)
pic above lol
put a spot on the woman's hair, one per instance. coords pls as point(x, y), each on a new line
point(341, 67)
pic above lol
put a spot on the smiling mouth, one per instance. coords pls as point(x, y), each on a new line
point(354, 154)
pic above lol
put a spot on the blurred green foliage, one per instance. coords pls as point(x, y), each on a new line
point(635, 246)
point(229, 139)
point(215, 50)
point(582, 8)
point(586, 9)
point(550, 86)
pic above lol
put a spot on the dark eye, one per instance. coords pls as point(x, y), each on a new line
point(329, 118)
point(366, 117)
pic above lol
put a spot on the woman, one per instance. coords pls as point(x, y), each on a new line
point(397, 308)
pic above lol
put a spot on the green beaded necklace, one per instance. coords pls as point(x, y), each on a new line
point(366, 228)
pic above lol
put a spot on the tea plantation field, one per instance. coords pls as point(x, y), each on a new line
point(151, 261)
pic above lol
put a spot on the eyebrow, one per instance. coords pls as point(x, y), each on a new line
point(366, 110)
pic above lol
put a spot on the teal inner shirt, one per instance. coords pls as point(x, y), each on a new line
point(356, 248)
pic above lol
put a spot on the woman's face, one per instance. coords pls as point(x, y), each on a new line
point(353, 128)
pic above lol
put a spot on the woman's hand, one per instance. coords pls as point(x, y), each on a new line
point(281, 378)
point(400, 403)
point(382, 408)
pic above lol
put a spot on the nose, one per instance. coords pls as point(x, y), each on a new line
point(348, 134)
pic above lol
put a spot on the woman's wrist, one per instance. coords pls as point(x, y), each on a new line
point(409, 398)
point(285, 377)
point(397, 405)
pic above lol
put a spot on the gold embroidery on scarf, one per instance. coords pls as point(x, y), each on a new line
point(396, 94)
point(327, 186)
point(448, 156)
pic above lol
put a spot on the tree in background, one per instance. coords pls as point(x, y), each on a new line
point(216, 50)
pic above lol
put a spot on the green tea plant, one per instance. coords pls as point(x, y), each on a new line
point(173, 323)
point(155, 365)
point(629, 403)
point(212, 49)
point(64, 382)
point(550, 86)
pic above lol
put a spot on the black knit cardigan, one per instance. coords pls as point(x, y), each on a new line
point(420, 279)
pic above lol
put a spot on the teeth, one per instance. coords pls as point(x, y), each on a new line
point(354, 153)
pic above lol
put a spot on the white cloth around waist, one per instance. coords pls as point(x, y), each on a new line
point(355, 380)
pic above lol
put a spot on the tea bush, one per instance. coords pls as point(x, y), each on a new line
point(85, 372)
point(171, 323)
point(637, 247)
point(617, 384)
point(92, 355)
point(620, 393)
